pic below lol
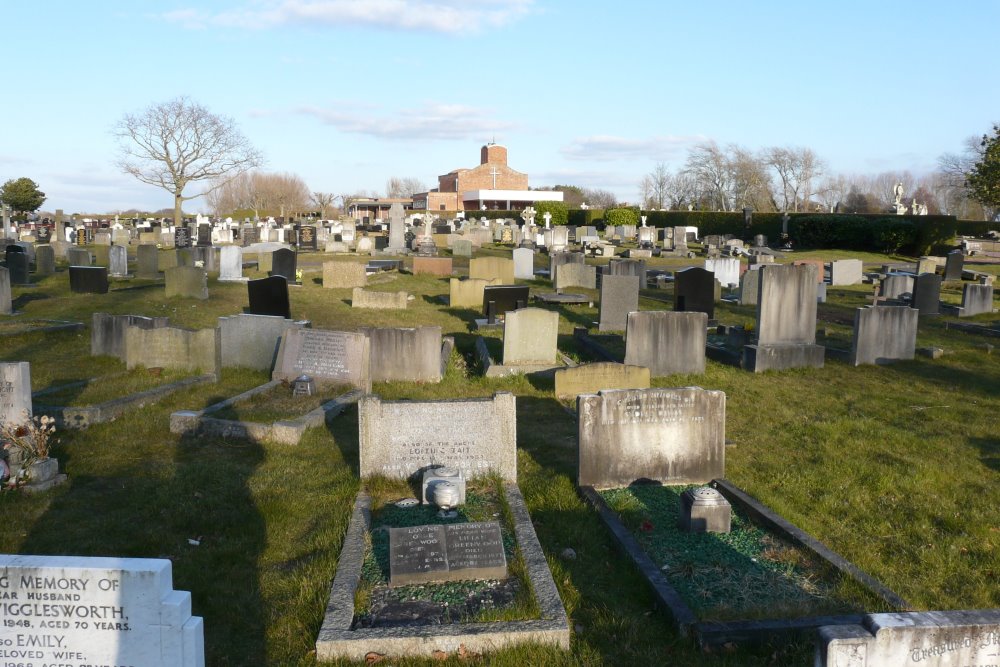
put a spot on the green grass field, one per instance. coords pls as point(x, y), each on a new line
point(894, 467)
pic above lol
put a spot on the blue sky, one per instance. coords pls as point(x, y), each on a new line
point(347, 93)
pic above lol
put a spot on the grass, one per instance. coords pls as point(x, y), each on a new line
point(278, 403)
point(109, 387)
point(895, 468)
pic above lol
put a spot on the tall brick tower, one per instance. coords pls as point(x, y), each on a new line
point(493, 154)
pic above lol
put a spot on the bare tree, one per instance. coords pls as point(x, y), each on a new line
point(751, 184)
point(175, 143)
point(597, 198)
point(323, 201)
point(708, 165)
point(655, 187)
point(832, 192)
point(401, 188)
point(796, 168)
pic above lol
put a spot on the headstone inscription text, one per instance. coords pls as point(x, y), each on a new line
point(420, 554)
point(322, 355)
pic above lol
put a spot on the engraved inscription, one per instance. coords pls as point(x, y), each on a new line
point(323, 354)
point(419, 554)
point(475, 546)
point(651, 408)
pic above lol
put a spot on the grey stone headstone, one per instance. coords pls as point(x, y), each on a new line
point(147, 262)
point(976, 299)
point(619, 297)
point(45, 260)
point(524, 263)
point(173, 347)
point(330, 357)
point(786, 304)
point(252, 341)
point(405, 354)
point(397, 228)
point(17, 265)
point(954, 262)
point(883, 333)
point(726, 270)
point(628, 267)
point(694, 291)
point(560, 259)
point(231, 263)
point(530, 336)
point(462, 248)
point(107, 332)
point(6, 304)
point(399, 439)
point(15, 393)
point(673, 436)
point(927, 293)
point(666, 342)
point(79, 257)
point(576, 275)
point(895, 285)
point(118, 261)
point(749, 282)
point(846, 272)
point(186, 281)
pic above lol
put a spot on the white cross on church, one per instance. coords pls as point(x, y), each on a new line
point(494, 173)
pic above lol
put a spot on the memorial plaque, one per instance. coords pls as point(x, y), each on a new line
point(306, 238)
point(505, 297)
point(73, 611)
point(88, 279)
point(269, 296)
point(182, 237)
point(333, 357)
point(455, 552)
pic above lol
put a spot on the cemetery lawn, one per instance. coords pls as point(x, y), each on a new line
point(896, 468)
point(278, 403)
point(455, 601)
point(109, 387)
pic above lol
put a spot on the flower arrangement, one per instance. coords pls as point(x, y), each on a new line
point(31, 441)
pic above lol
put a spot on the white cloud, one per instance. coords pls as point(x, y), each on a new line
point(609, 147)
point(430, 121)
point(441, 16)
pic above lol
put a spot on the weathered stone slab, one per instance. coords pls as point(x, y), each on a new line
point(927, 294)
point(401, 438)
point(673, 436)
point(749, 286)
point(6, 303)
point(846, 272)
point(818, 263)
point(976, 299)
point(251, 341)
point(118, 261)
point(333, 357)
point(627, 267)
point(694, 291)
point(619, 297)
point(45, 260)
point(530, 337)
point(344, 275)
point(558, 259)
point(88, 279)
point(602, 375)
point(433, 266)
point(461, 248)
point(786, 305)
point(490, 268)
point(666, 342)
point(362, 298)
point(469, 293)
point(895, 285)
point(186, 281)
point(15, 394)
point(79, 257)
point(231, 264)
point(883, 334)
point(576, 274)
point(405, 354)
point(170, 347)
point(455, 552)
point(726, 270)
point(147, 262)
point(107, 332)
point(133, 615)
point(954, 262)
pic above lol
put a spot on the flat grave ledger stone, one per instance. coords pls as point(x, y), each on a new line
point(231, 264)
point(927, 294)
point(504, 298)
point(182, 237)
point(118, 261)
point(726, 270)
point(453, 552)
point(107, 332)
point(15, 394)
point(468, 293)
point(884, 333)
point(846, 272)
point(269, 296)
point(329, 357)
point(173, 347)
point(672, 436)
point(954, 262)
point(186, 281)
point(362, 298)
point(344, 275)
point(400, 439)
point(492, 267)
point(694, 291)
point(666, 342)
point(45, 260)
point(111, 611)
point(6, 303)
point(251, 341)
point(283, 262)
point(530, 337)
point(88, 279)
point(78, 257)
point(924, 638)
point(597, 376)
point(575, 275)
point(619, 297)
point(895, 285)
point(524, 263)
point(434, 266)
point(405, 354)
point(17, 265)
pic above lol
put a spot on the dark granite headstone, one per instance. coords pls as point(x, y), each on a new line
point(306, 237)
point(954, 262)
point(269, 296)
point(249, 236)
point(694, 291)
point(204, 235)
point(381, 242)
point(88, 279)
point(505, 298)
point(283, 263)
point(182, 237)
point(927, 293)
point(17, 264)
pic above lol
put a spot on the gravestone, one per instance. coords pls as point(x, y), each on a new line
point(923, 638)
point(182, 237)
point(726, 270)
point(524, 263)
point(694, 291)
point(530, 337)
point(133, 615)
point(749, 282)
point(927, 294)
point(17, 265)
point(405, 354)
point(489, 268)
point(305, 237)
point(401, 439)
point(362, 298)
point(786, 320)
point(461, 248)
point(895, 285)
point(468, 293)
point(231, 264)
point(818, 263)
point(666, 342)
point(328, 357)
point(432, 266)
point(504, 298)
point(88, 279)
point(251, 341)
point(204, 238)
point(926, 265)
point(846, 272)
point(883, 333)
point(559, 259)
point(976, 299)
point(118, 261)
point(672, 436)
point(954, 262)
point(283, 263)
point(172, 347)
point(45, 260)
point(619, 297)
point(102, 254)
point(576, 274)
point(107, 332)
point(397, 229)
point(208, 256)
point(344, 275)
point(79, 257)
point(628, 267)
point(269, 296)
point(186, 281)
point(453, 552)
point(15, 395)
point(6, 303)
point(592, 378)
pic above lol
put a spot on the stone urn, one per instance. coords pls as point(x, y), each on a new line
point(445, 495)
